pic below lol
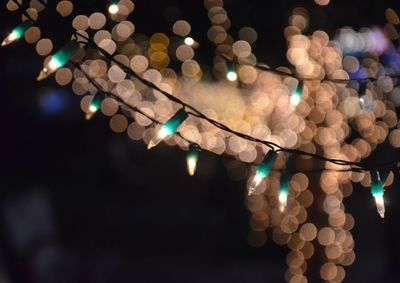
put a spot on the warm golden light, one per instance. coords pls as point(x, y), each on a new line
point(10, 39)
point(191, 166)
point(254, 184)
point(162, 134)
point(282, 201)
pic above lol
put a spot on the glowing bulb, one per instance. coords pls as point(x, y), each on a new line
point(17, 33)
point(113, 9)
point(191, 159)
point(282, 201)
point(231, 76)
point(95, 105)
point(380, 205)
point(263, 171)
point(377, 191)
point(189, 41)
point(295, 98)
point(283, 192)
point(169, 127)
point(59, 59)
point(255, 183)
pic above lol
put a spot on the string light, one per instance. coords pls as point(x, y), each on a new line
point(283, 192)
point(296, 96)
point(17, 33)
point(189, 41)
point(231, 74)
point(377, 191)
point(169, 127)
point(59, 59)
point(263, 171)
point(114, 7)
point(94, 105)
point(191, 159)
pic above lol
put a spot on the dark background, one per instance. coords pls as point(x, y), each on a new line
point(79, 203)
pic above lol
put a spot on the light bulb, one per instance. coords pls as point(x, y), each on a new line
point(282, 201)
point(263, 171)
point(231, 76)
point(191, 159)
point(94, 105)
point(377, 191)
point(295, 98)
point(168, 128)
point(283, 191)
point(189, 41)
point(59, 59)
point(255, 183)
point(380, 205)
point(113, 9)
point(17, 33)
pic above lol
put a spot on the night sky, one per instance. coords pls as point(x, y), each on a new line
point(79, 203)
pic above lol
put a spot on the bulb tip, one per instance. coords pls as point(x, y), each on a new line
point(251, 191)
point(3, 43)
point(41, 77)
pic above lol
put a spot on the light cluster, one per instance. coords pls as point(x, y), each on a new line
point(305, 115)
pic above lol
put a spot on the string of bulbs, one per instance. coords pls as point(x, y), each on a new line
point(170, 127)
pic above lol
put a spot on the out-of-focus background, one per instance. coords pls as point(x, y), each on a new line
point(79, 203)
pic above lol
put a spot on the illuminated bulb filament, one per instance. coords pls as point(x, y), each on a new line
point(59, 59)
point(17, 33)
point(169, 127)
point(282, 201)
point(255, 183)
point(380, 205)
point(191, 166)
point(162, 134)
point(231, 76)
point(295, 100)
point(113, 9)
point(9, 39)
point(191, 159)
point(189, 41)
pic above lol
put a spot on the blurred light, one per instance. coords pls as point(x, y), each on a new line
point(169, 127)
point(113, 9)
point(53, 101)
point(191, 159)
point(263, 171)
point(189, 41)
point(17, 33)
point(59, 59)
point(232, 76)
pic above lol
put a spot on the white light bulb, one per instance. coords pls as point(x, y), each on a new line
point(380, 205)
point(9, 39)
point(231, 76)
point(113, 9)
point(295, 100)
point(162, 134)
point(254, 184)
point(189, 41)
point(282, 201)
point(191, 166)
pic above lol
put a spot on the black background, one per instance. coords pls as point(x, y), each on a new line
point(79, 203)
